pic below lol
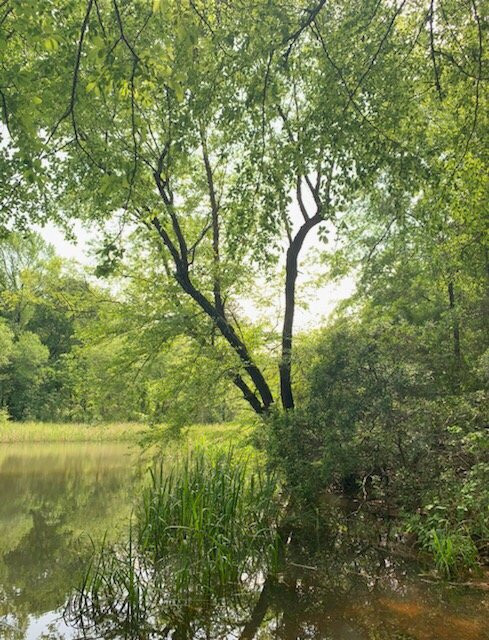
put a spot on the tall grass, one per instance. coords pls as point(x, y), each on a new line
point(197, 434)
point(11, 432)
point(209, 519)
point(206, 530)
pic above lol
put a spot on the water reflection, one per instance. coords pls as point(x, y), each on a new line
point(53, 499)
point(336, 582)
point(298, 605)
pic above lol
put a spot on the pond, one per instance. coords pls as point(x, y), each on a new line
point(55, 498)
point(58, 500)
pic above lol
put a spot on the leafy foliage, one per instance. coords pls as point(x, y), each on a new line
point(202, 139)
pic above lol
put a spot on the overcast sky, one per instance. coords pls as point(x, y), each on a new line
point(320, 301)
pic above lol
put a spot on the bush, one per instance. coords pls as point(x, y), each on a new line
point(380, 426)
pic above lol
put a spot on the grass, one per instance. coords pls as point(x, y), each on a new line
point(195, 435)
point(68, 432)
point(208, 507)
point(453, 552)
point(203, 523)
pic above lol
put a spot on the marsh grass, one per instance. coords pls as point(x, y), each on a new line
point(69, 432)
point(194, 435)
point(206, 530)
point(209, 518)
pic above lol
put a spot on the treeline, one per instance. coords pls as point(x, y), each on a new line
point(74, 350)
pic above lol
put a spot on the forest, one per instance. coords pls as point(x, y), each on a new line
point(232, 162)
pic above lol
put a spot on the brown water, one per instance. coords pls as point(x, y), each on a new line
point(55, 498)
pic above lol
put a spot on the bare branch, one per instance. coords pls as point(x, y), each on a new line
point(215, 223)
point(300, 199)
point(432, 51)
point(248, 394)
point(205, 230)
point(5, 15)
point(166, 240)
point(285, 120)
point(74, 82)
point(5, 111)
point(379, 241)
point(383, 40)
point(314, 192)
point(99, 17)
point(122, 32)
point(351, 97)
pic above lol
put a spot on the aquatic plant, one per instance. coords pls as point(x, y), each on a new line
point(206, 529)
point(209, 519)
point(452, 551)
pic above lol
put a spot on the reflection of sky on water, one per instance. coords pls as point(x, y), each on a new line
point(52, 498)
point(339, 584)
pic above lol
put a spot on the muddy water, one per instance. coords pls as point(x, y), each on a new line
point(341, 585)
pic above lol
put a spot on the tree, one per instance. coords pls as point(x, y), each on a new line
point(42, 302)
point(201, 124)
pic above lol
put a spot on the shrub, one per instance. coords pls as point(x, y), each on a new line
point(379, 426)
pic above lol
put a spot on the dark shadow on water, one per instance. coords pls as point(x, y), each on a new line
point(342, 581)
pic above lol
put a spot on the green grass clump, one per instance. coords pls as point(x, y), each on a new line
point(206, 530)
point(452, 552)
point(209, 518)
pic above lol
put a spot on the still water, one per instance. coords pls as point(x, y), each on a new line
point(54, 500)
point(58, 500)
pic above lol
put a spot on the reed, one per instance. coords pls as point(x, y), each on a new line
point(210, 518)
point(206, 530)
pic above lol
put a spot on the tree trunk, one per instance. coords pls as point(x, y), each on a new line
point(291, 271)
point(457, 354)
point(232, 338)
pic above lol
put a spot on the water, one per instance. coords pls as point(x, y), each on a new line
point(53, 499)
point(56, 498)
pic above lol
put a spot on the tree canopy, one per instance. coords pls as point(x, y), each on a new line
point(220, 131)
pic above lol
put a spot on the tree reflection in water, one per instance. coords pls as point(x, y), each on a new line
point(58, 497)
point(340, 583)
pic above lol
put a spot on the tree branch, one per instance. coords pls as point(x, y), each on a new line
point(291, 272)
point(215, 225)
point(5, 111)
point(309, 19)
point(432, 51)
point(182, 276)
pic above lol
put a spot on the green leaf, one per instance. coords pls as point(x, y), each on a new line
point(51, 44)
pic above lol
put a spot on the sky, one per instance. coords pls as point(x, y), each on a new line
point(64, 248)
point(321, 301)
